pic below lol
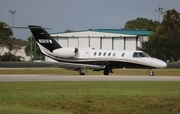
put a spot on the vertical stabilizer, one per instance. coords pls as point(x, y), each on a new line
point(43, 37)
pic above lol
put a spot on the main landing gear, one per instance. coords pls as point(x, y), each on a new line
point(82, 71)
point(107, 71)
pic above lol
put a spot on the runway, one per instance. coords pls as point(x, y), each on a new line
point(30, 78)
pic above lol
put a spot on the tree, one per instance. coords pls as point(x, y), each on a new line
point(33, 50)
point(10, 57)
point(142, 23)
point(5, 31)
point(164, 43)
point(68, 30)
point(13, 44)
point(5, 34)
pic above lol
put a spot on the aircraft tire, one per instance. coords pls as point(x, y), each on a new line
point(81, 73)
point(152, 73)
point(106, 72)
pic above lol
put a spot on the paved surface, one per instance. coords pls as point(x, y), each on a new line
point(23, 65)
point(19, 78)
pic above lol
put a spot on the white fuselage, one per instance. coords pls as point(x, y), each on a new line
point(121, 56)
point(92, 55)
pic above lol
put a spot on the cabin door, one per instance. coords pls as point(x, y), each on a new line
point(86, 56)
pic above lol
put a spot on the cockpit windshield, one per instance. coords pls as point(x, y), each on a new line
point(140, 54)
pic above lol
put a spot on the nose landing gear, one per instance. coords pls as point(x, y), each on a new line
point(151, 73)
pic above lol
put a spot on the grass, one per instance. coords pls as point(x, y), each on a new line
point(89, 97)
point(97, 97)
point(59, 71)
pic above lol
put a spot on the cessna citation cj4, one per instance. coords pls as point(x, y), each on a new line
point(88, 58)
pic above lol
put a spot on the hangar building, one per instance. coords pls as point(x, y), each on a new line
point(110, 39)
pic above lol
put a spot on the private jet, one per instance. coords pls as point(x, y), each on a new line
point(81, 59)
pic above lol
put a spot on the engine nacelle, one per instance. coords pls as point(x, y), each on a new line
point(66, 52)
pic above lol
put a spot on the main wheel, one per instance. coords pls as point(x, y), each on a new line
point(106, 72)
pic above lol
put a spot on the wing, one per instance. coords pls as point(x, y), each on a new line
point(75, 66)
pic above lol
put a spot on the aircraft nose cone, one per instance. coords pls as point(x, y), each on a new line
point(161, 64)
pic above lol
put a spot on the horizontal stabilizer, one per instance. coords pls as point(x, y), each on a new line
point(30, 26)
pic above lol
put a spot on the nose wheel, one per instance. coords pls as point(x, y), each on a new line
point(151, 73)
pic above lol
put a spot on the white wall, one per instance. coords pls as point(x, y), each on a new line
point(63, 42)
point(118, 43)
point(107, 43)
point(130, 43)
point(73, 42)
point(83, 42)
point(95, 43)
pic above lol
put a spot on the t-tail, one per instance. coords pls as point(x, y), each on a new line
point(43, 38)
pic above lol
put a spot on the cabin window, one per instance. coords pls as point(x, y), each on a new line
point(114, 54)
point(109, 54)
point(135, 54)
point(99, 53)
point(95, 53)
point(122, 54)
point(104, 54)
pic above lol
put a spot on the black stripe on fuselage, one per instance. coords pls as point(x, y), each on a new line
point(109, 64)
point(112, 64)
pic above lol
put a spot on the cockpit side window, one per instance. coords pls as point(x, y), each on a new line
point(141, 54)
point(135, 54)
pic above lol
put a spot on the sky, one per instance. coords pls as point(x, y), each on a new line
point(77, 15)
